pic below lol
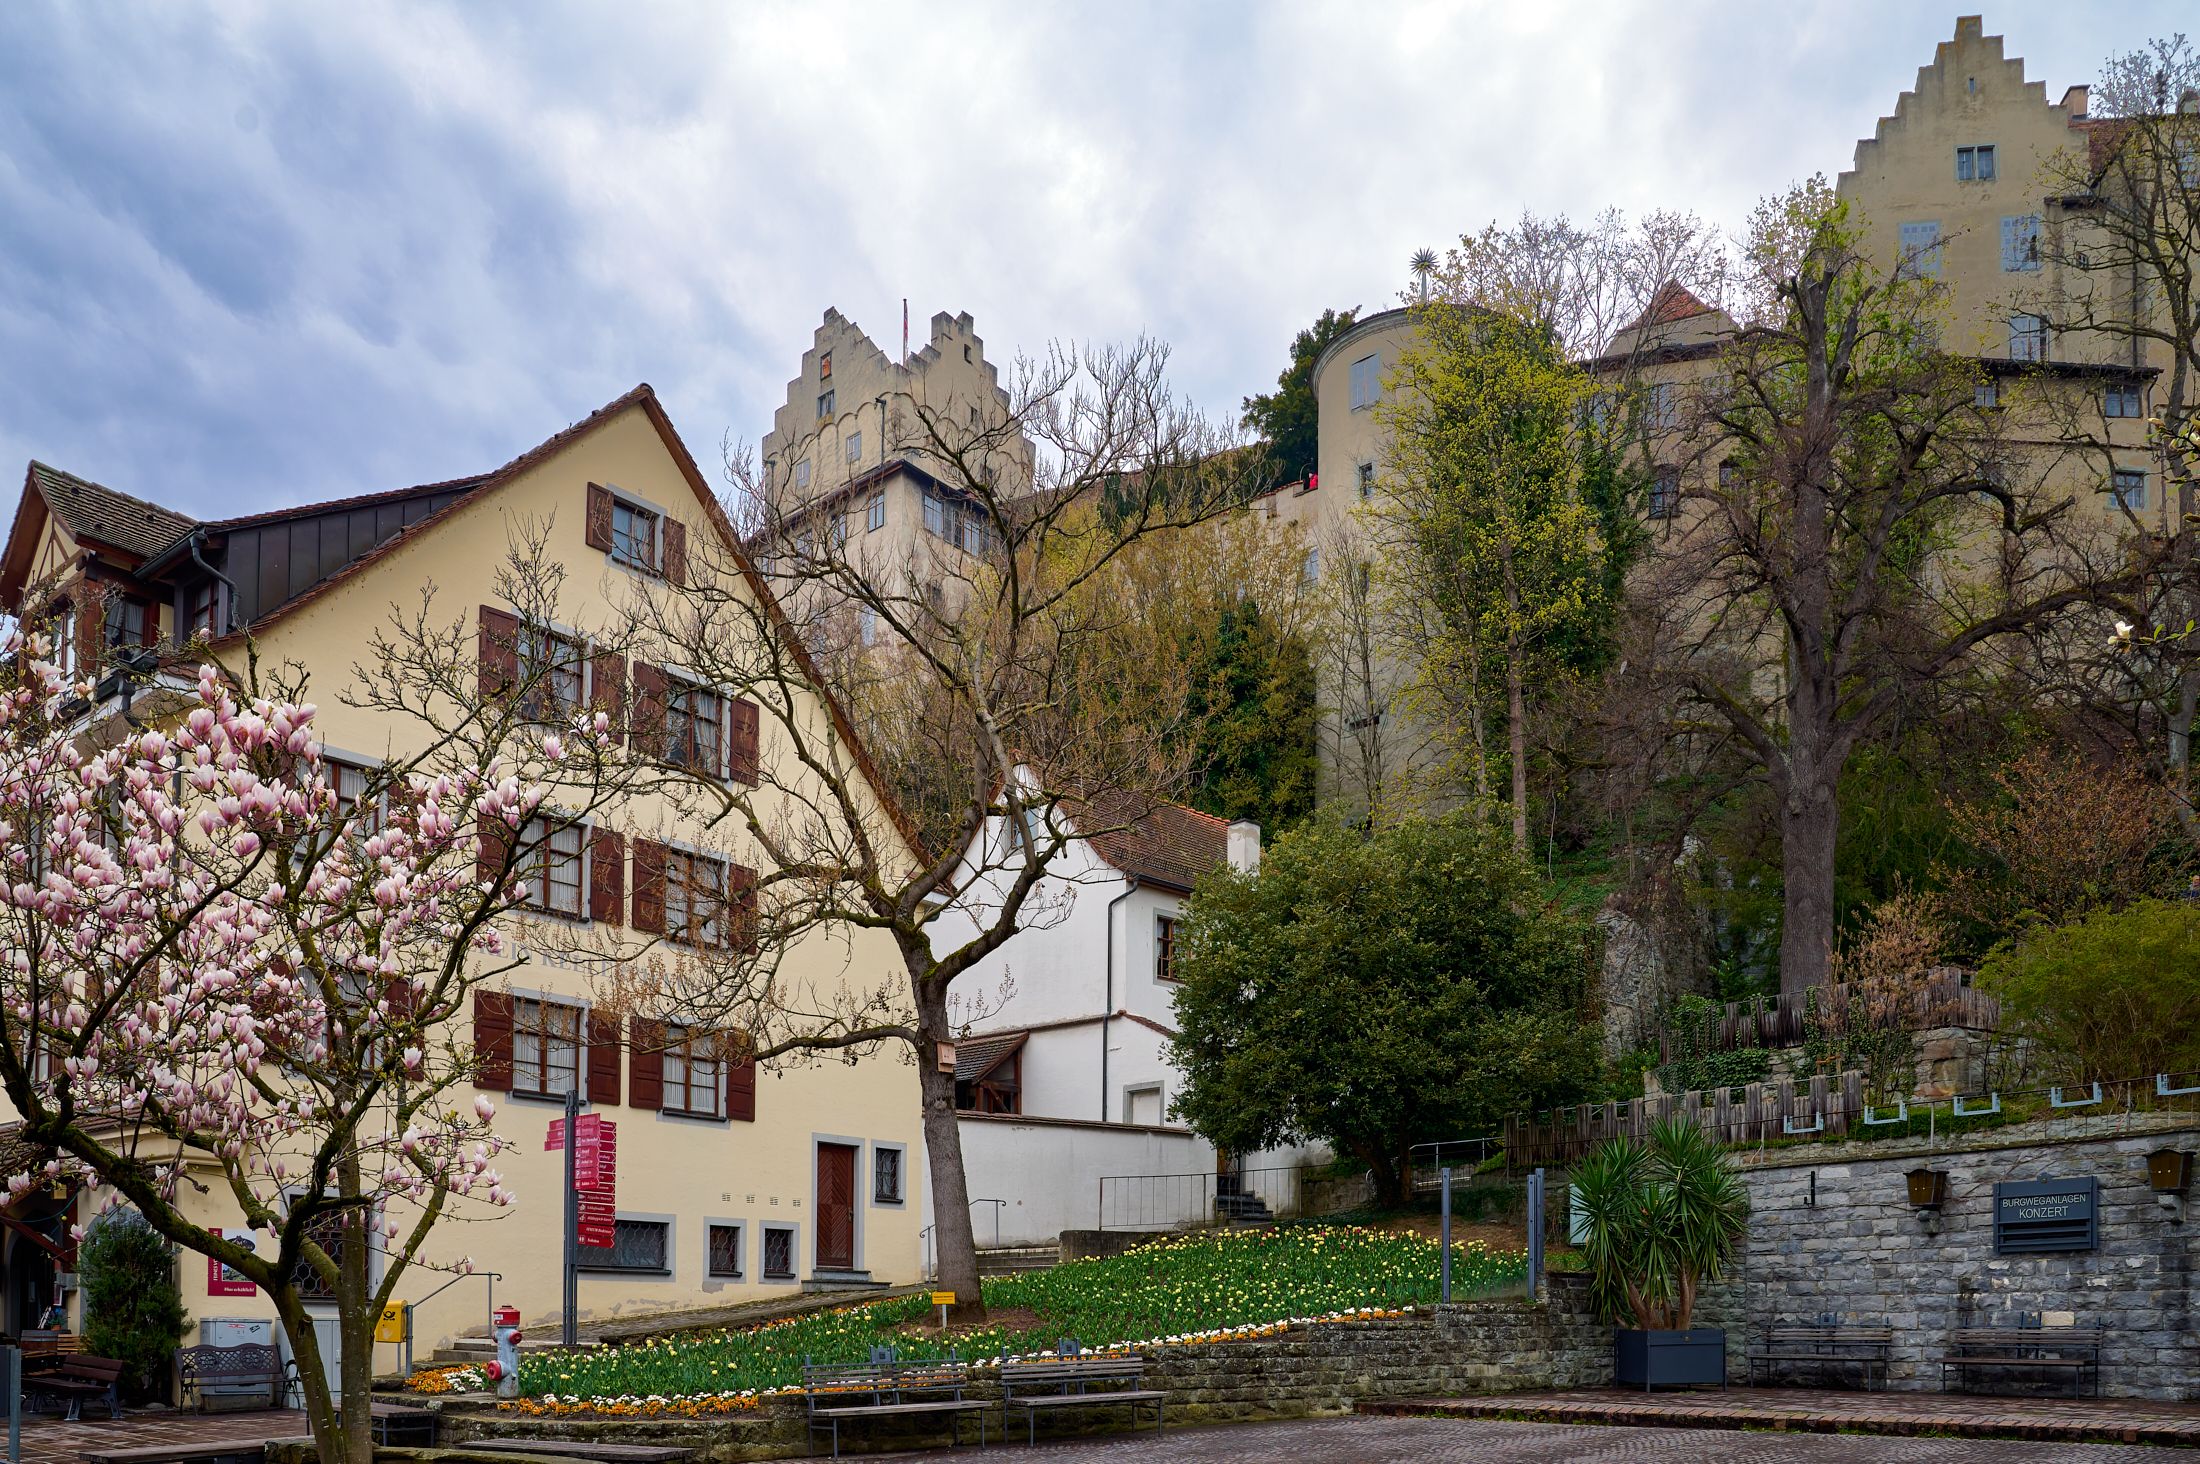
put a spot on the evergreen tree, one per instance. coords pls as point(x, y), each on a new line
point(1286, 418)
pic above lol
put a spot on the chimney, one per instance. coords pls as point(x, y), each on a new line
point(1244, 846)
point(2076, 100)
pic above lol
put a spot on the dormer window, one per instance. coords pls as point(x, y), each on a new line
point(202, 609)
point(126, 622)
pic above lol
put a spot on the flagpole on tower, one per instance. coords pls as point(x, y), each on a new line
point(905, 330)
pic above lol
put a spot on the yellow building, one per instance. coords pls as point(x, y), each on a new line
point(731, 1184)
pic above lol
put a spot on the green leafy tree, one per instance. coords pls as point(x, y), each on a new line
point(1252, 704)
point(133, 1308)
point(1664, 1218)
point(1286, 418)
point(2114, 995)
point(1494, 558)
point(1374, 993)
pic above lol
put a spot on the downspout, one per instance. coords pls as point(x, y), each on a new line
point(198, 537)
point(1107, 1005)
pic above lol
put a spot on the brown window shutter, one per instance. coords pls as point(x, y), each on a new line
point(499, 651)
point(741, 1091)
point(398, 995)
point(607, 687)
point(606, 877)
point(649, 886)
point(493, 1040)
point(649, 710)
point(91, 630)
point(646, 1071)
point(495, 851)
point(740, 926)
point(599, 517)
point(603, 1059)
point(150, 636)
point(676, 551)
point(743, 733)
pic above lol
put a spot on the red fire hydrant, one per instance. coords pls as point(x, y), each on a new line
point(504, 1372)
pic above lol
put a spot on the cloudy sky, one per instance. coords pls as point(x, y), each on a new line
point(262, 253)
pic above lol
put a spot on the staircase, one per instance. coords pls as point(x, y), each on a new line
point(1241, 1209)
point(824, 1283)
point(1011, 1260)
point(477, 1350)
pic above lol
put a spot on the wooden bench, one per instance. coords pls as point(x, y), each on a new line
point(80, 1377)
point(2074, 1352)
point(219, 1451)
point(253, 1365)
point(1075, 1379)
point(582, 1449)
point(885, 1388)
point(1824, 1346)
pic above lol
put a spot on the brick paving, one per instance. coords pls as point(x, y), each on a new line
point(1370, 1440)
point(50, 1441)
point(1816, 1410)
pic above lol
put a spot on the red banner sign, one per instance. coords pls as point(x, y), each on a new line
point(596, 1178)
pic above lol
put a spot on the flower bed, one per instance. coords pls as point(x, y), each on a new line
point(1197, 1288)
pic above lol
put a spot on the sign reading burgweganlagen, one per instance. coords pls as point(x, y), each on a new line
point(2047, 1215)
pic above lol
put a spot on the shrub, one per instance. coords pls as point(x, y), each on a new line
point(1663, 1217)
point(2113, 995)
point(1691, 1024)
point(133, 1309)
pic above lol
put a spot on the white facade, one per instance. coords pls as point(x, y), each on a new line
point(1081, 984)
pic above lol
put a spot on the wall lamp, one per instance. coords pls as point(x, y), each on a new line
point(2169, 1172)
point(1928, 1192)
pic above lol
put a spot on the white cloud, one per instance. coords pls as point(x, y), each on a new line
point(256, 253)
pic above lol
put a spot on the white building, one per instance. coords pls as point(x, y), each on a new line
point(1064, 1076)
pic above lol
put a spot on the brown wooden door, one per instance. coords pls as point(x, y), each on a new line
point(836, 1207)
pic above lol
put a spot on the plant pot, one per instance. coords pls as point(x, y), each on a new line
point(1666, 1359)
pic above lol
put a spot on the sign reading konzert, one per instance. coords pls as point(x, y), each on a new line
point(2047, 1215)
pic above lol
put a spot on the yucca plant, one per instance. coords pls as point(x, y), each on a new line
point(1664, 1220)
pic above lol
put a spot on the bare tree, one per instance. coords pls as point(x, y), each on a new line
point(1852, 525)
point(976, 661)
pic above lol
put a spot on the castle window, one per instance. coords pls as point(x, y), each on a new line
point(1975, 164)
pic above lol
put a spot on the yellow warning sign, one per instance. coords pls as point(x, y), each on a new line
point(943, 1298)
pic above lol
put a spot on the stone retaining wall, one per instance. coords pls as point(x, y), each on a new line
point(1476, 1347)
point(1856, 1248)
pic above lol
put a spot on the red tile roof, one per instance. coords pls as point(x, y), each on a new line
point(1167, 844)
point(1671, 304)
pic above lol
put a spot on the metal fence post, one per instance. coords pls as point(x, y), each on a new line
point(1444, 1186)
point(570, 1323)
point(11, 1367)
point(1535, 1235)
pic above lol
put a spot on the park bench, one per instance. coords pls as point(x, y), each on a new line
point(887, 1388)
point(1824, 1346)
point(2074, 1352)
point(587, 1449)
point(216, 1451)
point(255, 1366)
point(77, 1377)
point(1074, 1378)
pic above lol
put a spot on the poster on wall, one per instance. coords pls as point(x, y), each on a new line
point(2046, 1215)
point(220, 1280)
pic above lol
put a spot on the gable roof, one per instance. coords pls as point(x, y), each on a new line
point(1168, 844)
point(92, 511)
point(975, 1057)
point(643, 398)
point(1673, 302)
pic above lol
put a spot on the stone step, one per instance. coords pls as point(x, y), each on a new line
point(825, 1283)
point(1009, 1260)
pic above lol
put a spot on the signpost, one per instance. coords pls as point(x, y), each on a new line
point(591, 1194)
point(2045, 1215)
point(943, 1300)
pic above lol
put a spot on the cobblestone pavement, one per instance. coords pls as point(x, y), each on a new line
point(1476, 1441)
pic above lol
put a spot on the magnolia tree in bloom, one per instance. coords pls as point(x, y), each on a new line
point(229, 992)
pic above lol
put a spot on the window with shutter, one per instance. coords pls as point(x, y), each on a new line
point(743, 751)
point(741, 1091)
point(493, 1041)
point(676, 551)
point(2020, 243)
point(598, 523)
point(604, 1047)
point(646, 1065)
point(546, 1047)
point(649, 886)
point(694, 1073)
point(498, 651)
point(1921, 249)
point(606, 877)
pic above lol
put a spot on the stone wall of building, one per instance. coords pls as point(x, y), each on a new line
point(1833, 1232)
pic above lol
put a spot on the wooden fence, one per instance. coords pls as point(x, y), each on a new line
point(1778, 1021)
point(1745, 1114)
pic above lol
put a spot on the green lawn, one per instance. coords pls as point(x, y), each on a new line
point(1179, 1288)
